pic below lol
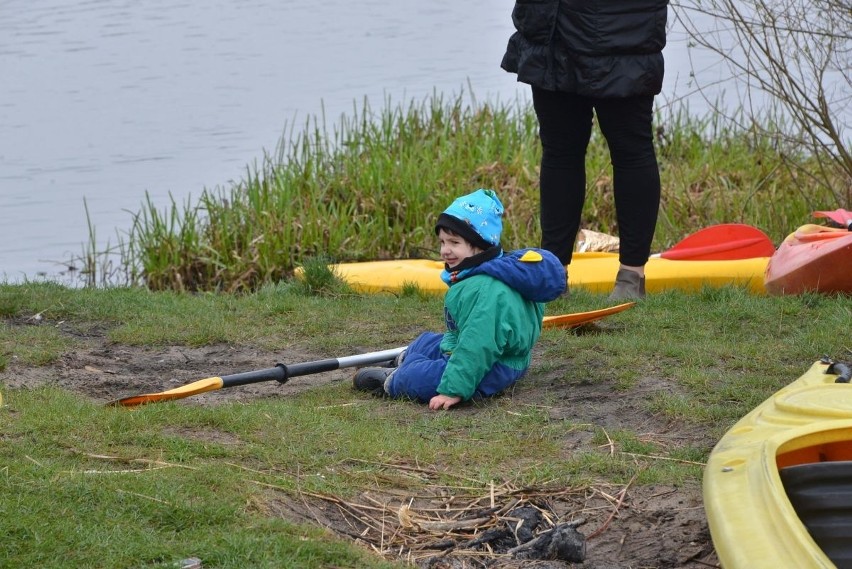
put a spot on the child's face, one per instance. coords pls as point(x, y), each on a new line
point(455, 249)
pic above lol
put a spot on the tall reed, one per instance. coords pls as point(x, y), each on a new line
point(372, 185)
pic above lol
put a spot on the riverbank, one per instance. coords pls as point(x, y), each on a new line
point(612, 425)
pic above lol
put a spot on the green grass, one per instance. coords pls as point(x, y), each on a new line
point(104, 488)
point(86, 485)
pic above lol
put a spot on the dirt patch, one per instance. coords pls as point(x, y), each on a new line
point(632, 526)
point(106, 372)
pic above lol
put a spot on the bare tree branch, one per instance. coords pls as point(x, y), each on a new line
point(791, 63)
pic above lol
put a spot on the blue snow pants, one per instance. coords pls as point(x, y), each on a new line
point(424, 363)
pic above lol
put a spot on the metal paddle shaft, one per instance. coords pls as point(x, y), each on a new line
point(281, 373)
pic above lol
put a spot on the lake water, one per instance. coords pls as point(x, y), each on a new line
point(104, 101)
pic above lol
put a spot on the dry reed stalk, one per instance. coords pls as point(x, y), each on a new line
point(621, 496)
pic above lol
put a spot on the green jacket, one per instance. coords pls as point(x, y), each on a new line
point(488, 322)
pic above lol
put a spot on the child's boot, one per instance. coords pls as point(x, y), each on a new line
point(372, 379)
point(629, 285)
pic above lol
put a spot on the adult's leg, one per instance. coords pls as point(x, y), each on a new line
point(565, 127)
point(627, 126)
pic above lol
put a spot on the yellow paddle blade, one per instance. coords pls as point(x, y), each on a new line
point(194, 388)
point(579, 318)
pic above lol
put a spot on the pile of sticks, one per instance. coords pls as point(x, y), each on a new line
point(465, 520)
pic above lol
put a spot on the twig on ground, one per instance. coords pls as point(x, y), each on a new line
point(151, 461)
point(621, 496)
point(123, 471)
point(610, 444)
point(138, 495)
point(31, 459)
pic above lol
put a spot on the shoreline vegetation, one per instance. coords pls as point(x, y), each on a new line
point(368, 188)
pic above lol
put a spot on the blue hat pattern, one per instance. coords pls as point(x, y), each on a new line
point(482, 211)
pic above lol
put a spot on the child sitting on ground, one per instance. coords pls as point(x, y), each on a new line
point(493, 312)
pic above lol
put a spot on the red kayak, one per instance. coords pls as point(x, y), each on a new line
point(813, 258)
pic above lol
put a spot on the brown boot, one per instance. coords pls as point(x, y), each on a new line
point(628, 286)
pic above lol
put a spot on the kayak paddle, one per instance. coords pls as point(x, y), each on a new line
point(579, 318)
point(723, 242)
point(280, 373)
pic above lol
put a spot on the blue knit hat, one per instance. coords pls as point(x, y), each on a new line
point(476, 217)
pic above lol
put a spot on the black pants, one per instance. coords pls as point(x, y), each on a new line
point(565, 127)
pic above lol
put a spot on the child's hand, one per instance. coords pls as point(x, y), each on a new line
point(443, 402)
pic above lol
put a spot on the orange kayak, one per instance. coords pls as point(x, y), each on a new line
point(813, 258)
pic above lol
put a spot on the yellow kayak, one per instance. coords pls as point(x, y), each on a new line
point(591, 271)
point(778, 485)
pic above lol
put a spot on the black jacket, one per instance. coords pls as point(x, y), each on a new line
point(595, 48)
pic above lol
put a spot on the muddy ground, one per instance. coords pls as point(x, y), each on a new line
point(628, 527)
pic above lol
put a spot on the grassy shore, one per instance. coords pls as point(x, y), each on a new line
point(257, 480)
point(371, 185)
point(89, 485)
